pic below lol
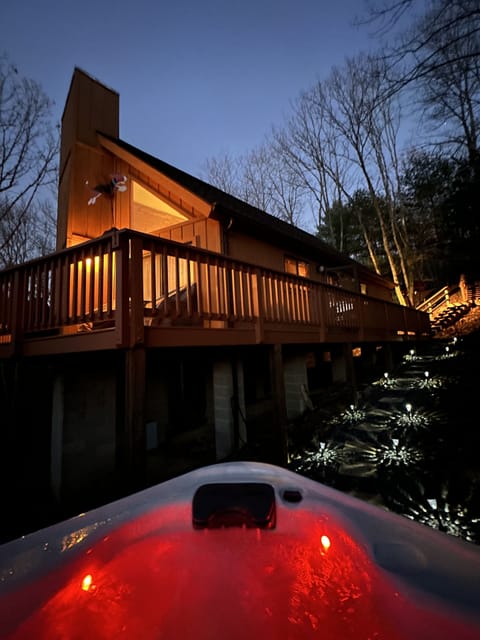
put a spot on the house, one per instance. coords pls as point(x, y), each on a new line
point(173, 326)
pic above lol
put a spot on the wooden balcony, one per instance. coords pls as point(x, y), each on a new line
point(126, 288)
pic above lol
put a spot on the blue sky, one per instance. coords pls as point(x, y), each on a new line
point(196, 79)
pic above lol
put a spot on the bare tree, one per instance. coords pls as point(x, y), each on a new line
point(368, 120)
point(223, 172)
point(28, 153)
point(451, 91)
point(342, 138)
point(261, 179)
point(34, 236)
point(316, 159)
point(433, 39)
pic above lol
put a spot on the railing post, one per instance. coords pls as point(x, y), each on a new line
point(135, 282)
point(361, 319)
point(322, 311)
point(280, 445)
point(259, 308)
point(120, 249)
point(18, 320)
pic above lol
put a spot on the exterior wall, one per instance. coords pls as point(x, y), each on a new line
point(342, 363)
point(90, 107)
point(156, 402)
point(263, 253)
point(80, 221)
point(84, 421)
point(296, 384)
point(251, 249)
point(203, 233)
point(378, 291)
point(86, 221)
point(224, 381)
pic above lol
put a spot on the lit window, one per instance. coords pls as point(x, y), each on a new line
point(151, 213)
point(297, 267)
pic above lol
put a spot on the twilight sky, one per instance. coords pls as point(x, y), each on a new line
point(196, 78)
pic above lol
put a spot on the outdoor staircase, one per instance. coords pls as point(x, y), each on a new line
point(446, 307)
point(449, 316)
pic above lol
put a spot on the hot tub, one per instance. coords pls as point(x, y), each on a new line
point(239, 551)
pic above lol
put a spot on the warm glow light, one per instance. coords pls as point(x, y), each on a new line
point(87, 582)
point(325, 540)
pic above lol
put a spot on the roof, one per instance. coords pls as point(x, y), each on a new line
point(225, 205)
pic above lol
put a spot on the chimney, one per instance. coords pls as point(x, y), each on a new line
point(90, 107)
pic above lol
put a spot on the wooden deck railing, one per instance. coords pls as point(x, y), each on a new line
point(134, 284)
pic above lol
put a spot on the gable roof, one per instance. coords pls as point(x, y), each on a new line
point(226, 206)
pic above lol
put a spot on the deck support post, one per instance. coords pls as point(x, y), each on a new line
point(280, 452)
point(343, 368)
point(132, 443)
point(351, 373)
point(56, 445)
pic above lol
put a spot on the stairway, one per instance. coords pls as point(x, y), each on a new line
point(446, 307)
point(448, 316)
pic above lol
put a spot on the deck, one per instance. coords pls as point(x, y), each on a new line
point(127, 288)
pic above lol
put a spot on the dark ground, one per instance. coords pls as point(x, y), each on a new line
point(448, 470)
point(436, 480)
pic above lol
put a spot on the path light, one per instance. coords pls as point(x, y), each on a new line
point(325, 455)
point(352, 415)
point(415, 420)
point(386, 381)
point(439, 513)
point(398, 455)
point(363, 459)
point(430, 382)
point(411, 355)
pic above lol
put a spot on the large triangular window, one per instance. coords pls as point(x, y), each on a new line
point(150, 213)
